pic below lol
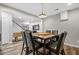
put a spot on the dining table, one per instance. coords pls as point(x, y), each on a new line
point(44, 36)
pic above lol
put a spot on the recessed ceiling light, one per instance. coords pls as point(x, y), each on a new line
point(69, 4)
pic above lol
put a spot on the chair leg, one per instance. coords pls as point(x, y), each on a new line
point(49, 52)
point(33, 52)
point(62, 52)
point(37, 52)
point(22, 49)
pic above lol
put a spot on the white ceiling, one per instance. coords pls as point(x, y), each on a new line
point(49, 8)
point(34, 9)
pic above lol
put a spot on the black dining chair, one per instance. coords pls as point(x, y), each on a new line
point(25, 44)
point(29, 45)
point(54, 32)
point(48, 31)
point(58, 47)
point(34, 31)
point(54, 39)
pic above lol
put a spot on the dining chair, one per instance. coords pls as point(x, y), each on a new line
point(34, 31)
point(54, 32)
point(58, 47)
point(25, 44)
point(48, 31)
point(29, 45)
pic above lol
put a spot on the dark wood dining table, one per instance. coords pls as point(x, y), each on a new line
point(44, 36)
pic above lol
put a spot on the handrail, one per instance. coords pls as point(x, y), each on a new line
point(18, 25)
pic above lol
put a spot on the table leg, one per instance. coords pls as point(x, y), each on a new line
point(41, 41)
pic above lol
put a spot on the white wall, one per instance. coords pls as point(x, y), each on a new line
point(16, 28)
point(6, 27)
point(17, 14)
point(0, 23)
point(51, 23)
point(35, 23)
point(10, 26)
point(71, 26)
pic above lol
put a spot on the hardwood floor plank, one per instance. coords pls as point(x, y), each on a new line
point(15, 49)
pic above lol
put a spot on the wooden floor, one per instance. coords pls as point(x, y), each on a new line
point(12, 49)
point(71, 50)
point(15, 49)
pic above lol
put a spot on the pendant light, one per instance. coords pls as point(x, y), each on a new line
point(42, 15)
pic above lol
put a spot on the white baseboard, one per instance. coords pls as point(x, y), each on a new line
point(71, 45)
point(6, 43)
